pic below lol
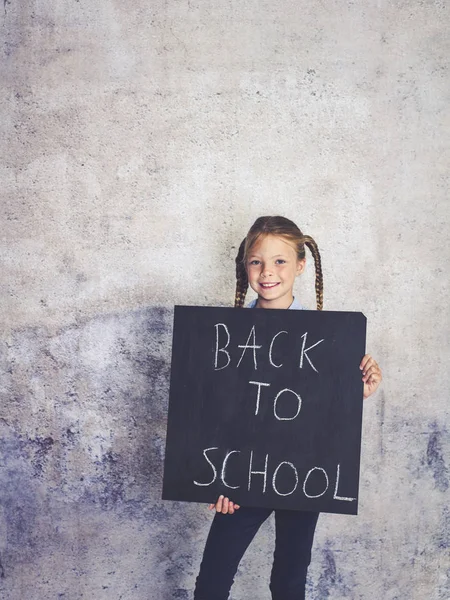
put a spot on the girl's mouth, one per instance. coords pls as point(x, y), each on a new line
point(268, 286)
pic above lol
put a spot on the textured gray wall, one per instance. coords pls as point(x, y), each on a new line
point(139, 142)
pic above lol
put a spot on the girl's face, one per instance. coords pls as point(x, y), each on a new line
point(272, 266)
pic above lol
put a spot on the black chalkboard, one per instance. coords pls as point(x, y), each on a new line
point(265, 407)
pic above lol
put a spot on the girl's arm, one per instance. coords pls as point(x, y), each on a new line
point(371, 375)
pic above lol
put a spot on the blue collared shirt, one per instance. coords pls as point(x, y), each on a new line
point(294, 306)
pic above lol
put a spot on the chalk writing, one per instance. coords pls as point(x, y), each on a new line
point(252, 472)
point(216, 326)
point(265, 408)
point(310, 472)
point(299, 405)
point(258, 394)
point(304, 352)
point(224, 465)
point(211, 465)
point(335, 495)
point(251, 344)
point(275, 473)
point(271, 348)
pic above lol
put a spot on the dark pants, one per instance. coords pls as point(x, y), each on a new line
point(230, 536)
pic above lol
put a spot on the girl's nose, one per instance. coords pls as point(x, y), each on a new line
point(266, 271)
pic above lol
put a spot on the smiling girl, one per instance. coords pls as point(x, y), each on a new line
point(270, 258)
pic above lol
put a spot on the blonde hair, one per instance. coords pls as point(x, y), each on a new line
point(287, 229)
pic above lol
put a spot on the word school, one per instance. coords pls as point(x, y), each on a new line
point(314, 472)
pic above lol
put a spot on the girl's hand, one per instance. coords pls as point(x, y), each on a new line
point(224, 506)
point(371, 375)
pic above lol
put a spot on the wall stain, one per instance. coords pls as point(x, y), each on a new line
point(112, 479)
point(33, 449)
point(42, 448)
point(442, 539)
point(435, 458)
point(330, 580)
point(17, 493)
point(328, 575)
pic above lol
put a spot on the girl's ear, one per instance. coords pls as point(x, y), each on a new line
point(301, 264)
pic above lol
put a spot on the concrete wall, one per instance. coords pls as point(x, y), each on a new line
point(139, 142)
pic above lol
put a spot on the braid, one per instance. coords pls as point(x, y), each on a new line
point(241, 277)
point(308, 240)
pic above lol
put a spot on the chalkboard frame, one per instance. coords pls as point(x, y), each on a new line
point(253, 436)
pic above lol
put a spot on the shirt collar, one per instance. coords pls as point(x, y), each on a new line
point(294, 306)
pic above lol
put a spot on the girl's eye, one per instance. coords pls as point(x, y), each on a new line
point(280, 261)
point(254, 262)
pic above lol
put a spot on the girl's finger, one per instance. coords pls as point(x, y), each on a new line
point(371, 385)
point(375, 377)
point(211, 506)
point(219, 504)
point(371, 364)
point(364, 361)
point(368, 363)
point(373, 370)
point(236, 507)
point(230, 508)
point(225, 506)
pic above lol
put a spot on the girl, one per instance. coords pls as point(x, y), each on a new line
point(269, 259)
